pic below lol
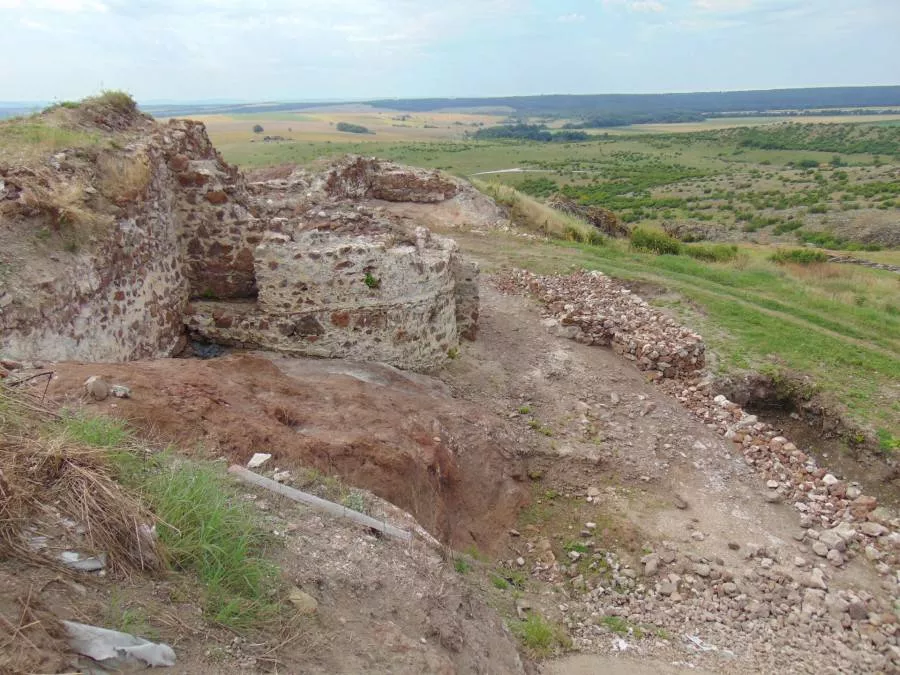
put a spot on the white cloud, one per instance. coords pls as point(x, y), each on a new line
point(570, 18)
point(34, 25)
point(722, 5)
point(647, 6)
point(643, 6)
point(66, 6)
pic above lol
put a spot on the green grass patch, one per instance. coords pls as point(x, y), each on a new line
point(654, 241)
point(799, 256)
point(499, 582)
point(712, 252)
point(208, 531)
point(887, 442)
point(204, 527)
point(97, 432)
point(540, 637)
point(23, 140)
point(462, 566)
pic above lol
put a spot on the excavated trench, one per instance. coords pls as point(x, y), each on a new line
point(793, 408)
point(397, 434)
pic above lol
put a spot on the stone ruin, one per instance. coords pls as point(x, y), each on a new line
point(303, 263)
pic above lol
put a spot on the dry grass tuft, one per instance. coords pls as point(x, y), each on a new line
point(124, 178)
point(46, 474)
point(119, 101)
point(62, 204)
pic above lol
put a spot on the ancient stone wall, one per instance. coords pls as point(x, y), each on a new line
point(362, 177)
point(122, 299)
point(324, 294)
point(218, 232)
point(298, 265)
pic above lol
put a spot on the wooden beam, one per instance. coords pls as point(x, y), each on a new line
point(319, 504)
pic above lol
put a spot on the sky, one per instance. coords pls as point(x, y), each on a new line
point(267, 50)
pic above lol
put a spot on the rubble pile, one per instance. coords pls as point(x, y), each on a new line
point(593, 309)
point(836, 515)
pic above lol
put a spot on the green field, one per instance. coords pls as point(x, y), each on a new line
point(773, 183)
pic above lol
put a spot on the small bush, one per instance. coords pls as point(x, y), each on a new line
point(712, 252)
point(787, 226)
point(800, 256)
point(354, 500)
point(258, 128)
point(654, 241)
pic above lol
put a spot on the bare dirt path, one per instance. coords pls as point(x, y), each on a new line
point(728, 580)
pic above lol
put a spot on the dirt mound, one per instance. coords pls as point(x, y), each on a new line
point(398, 435)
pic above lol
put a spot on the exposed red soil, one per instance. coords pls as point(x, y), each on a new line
point(400, 436)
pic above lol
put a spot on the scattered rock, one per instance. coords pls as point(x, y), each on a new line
point(835, 558)
point(120, 391)
point(651, 564)
point(305, 603)
point(872, 529)
point(858, 611)
point(522, 608)
point(96, 388)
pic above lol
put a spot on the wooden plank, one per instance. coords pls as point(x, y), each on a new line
point(319, 504)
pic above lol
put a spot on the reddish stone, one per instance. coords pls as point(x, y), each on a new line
point(216, 197)
point(862, 506)
point(341, 319)
point(192, 178)
point(119, 296)
point(224, 322)
point(179, 163)
point(273, 264)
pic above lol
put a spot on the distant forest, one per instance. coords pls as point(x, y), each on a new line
point(608, 110)
point(567, 105)
point(530, 132)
